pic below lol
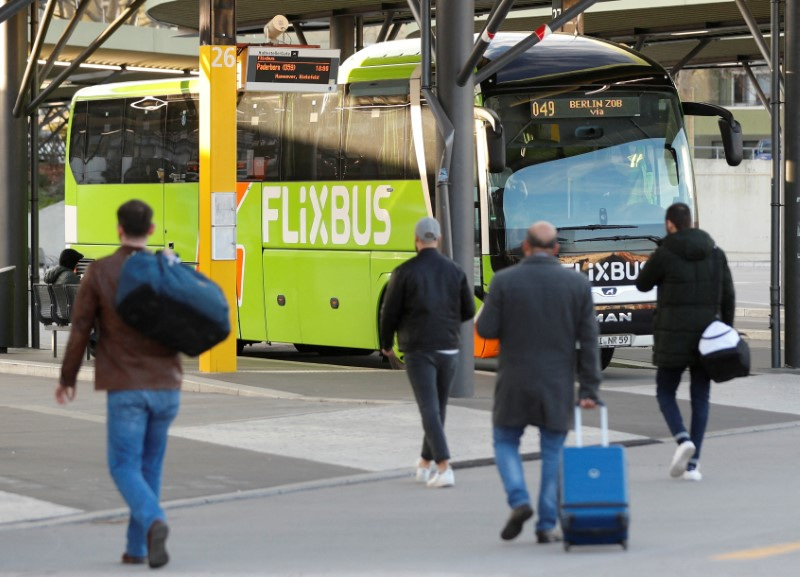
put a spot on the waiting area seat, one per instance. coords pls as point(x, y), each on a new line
point(53, 308)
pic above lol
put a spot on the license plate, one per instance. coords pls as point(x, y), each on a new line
point(615, 340)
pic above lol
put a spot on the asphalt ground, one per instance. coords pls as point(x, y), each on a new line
point(302, 465)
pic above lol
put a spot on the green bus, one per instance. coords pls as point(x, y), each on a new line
point(330, 185)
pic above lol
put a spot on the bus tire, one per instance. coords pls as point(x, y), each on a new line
point(606, 355)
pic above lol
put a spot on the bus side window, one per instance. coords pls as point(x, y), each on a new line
point(104, 142)
point(182, 142)
point(144, 140)
point(77, 143)
point(312, 127)
point(375, 137)
point(258, 136)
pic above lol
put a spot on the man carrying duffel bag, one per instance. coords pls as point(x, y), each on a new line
point(142, 378)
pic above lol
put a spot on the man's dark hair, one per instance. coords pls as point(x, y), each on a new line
point(135, 217)
point(69, 258)
point(680, 215)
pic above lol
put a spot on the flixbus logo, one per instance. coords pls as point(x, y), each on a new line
point(327, 215)
point(608, 268)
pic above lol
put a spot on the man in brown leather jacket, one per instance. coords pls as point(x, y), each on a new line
point(142, 379)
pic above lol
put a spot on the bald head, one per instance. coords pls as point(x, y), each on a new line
point(542, 237)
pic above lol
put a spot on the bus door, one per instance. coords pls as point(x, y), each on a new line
point(177, 170)
point(142, 160)
point(485, 183)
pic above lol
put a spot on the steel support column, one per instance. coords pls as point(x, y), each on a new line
point(343, 35)
point(31, 77)
point(13, 171)
point(453, 17)
point(776, 185)
point(791, 208)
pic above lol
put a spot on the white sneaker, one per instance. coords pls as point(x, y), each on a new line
point(681, 458)
point(693, 475)
point(424, 474)
point(446, 479)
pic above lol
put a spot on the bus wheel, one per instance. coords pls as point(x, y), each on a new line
point(240, 346)
point(605, 357)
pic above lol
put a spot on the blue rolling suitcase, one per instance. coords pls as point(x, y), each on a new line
point(593, 507)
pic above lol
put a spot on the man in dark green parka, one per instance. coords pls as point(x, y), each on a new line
point(690, 295)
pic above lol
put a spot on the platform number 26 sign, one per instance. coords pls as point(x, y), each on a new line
point(223, 56)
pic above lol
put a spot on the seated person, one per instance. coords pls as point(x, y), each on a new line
point(66, 271)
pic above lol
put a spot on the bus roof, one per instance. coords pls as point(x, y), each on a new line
point(557, 55)
point(180, 85)
point(560, 55)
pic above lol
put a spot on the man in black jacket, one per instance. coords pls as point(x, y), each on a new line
point(65, 272)
point(426, 301)
point(694, 285)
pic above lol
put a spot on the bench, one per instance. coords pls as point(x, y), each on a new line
point(53, 306)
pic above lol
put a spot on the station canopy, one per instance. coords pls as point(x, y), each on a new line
point(666, 30)
point(688, 33)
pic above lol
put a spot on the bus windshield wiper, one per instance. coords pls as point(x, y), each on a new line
point(652, 238)
point(596, 227)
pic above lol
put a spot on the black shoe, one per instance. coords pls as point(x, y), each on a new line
point(157, 545)
point(551, 536)
point(515, 521)
point(132, 560)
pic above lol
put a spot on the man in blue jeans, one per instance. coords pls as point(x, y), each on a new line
point(426, 301)
point(142, 379)
point(539, 310)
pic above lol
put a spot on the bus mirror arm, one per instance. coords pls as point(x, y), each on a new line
point(729, 128)
point(495, 138)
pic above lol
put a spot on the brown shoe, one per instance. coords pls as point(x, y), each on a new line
point(551, 536)
point(157, 545)
point(131, 560)
point(515, 521)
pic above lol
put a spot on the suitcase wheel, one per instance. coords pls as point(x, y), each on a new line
point(567, 545)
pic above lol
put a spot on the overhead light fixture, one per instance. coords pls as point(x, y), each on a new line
point(115, 68)
point(690, 32)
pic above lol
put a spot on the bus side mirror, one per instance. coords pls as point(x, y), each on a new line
point(729, 128)
point(496, 146)
point(731, 140)
point(495, 138)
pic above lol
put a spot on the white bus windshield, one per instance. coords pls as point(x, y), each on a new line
point(602, 168)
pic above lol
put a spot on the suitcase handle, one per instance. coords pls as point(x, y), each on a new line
point(603, 425)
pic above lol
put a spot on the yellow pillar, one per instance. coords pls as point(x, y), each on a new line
point(217, 258)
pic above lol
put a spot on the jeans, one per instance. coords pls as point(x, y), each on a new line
point(431, 375)
point(509, 464)
point(137, 424)
point(667, 381)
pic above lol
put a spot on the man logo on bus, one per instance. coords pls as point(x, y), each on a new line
point(326, 216)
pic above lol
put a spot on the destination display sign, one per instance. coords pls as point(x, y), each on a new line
point(276, 68)
point(585, 107)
